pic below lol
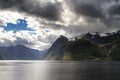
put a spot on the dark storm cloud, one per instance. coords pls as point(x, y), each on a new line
point(86, 8)
point(6, 4)
point(97, 16)
point(48, 10)
point(115, 9)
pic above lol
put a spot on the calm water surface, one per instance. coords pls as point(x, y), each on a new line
point(55, 70)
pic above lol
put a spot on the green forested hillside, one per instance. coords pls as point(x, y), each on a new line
point(115, 51)
point(83, 49)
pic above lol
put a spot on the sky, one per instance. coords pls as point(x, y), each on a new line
point(38, 23)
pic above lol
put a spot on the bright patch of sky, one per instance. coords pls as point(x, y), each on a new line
point(21, 24)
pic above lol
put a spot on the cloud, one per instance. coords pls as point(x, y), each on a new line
point(1, 22)
point(115, 9)
point(103, 15)
point(47, 10)
point(87, 9)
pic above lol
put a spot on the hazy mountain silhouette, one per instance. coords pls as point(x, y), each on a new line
point(20, 52)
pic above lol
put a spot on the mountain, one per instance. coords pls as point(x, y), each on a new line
point(80, 49)
point(86, 47)
point(109, 38)
point(114, 50)
point(83, 49)
point(20, 52)
point(57, 49)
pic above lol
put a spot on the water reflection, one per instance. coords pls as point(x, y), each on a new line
point(54, 70)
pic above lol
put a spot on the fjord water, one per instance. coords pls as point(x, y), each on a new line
point(59, 70)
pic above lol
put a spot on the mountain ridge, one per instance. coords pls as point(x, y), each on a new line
point(20, 52)
point(87, 47)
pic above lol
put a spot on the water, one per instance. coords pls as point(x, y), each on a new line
point(56, 70)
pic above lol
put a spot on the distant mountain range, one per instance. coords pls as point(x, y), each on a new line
point(20, 52)
point(86, 47)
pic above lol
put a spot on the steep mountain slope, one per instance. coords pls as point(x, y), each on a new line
point(57, 49)
point(20, 52)
point(114, 51)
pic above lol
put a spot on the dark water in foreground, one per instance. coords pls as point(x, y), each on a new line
point(54, 70)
